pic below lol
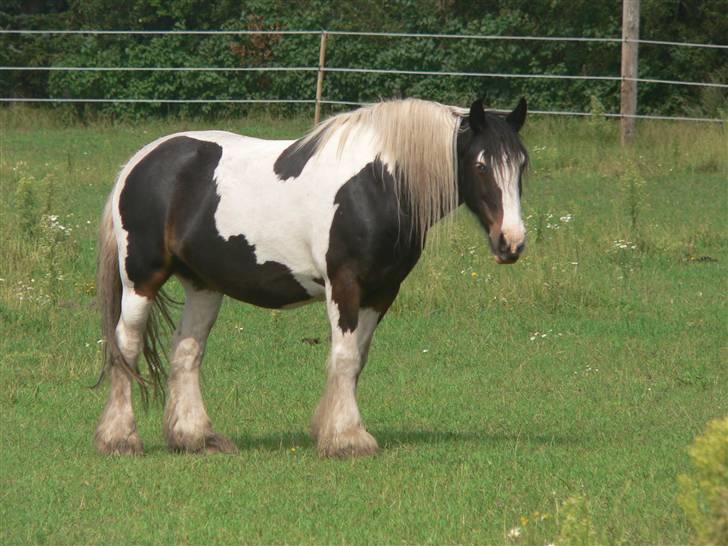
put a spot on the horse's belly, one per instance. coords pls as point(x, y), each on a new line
point(274, 290)
point(233, 267)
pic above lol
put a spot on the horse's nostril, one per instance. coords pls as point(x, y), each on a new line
point(520, 248)
point(502, 244)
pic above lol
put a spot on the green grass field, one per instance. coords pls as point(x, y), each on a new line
point(554, 399)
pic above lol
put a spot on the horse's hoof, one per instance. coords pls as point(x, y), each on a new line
point(131, 445)
point(217, 443)
point(355, 442)
point(211, 442)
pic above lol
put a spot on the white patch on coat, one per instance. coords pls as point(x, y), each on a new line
point(506, 177)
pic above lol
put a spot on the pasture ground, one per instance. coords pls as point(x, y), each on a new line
point(553, 399)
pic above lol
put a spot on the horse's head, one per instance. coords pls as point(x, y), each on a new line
point(491, 160)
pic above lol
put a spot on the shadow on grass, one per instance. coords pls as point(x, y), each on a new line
point(397, 438)
point(271, 442)
point(274, 442)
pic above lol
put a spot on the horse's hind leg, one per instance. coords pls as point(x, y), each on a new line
point(186, 424)
point(116, 431)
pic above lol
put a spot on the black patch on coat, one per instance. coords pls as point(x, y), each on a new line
point(372, 247)
point(144, 204)
point(230, 266)
point(293, 159)
point(170, 201)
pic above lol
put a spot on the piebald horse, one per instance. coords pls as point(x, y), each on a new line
point(339, 215)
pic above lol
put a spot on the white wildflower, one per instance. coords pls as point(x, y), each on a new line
point(624, 244)
point(514, 533)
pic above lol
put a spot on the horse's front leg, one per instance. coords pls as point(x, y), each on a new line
point(337, 425)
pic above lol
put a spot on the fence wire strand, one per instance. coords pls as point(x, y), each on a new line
point(93, 32)
point(333, 103)
point(345, 70)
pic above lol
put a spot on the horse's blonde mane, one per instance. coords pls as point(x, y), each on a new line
point(419, 138)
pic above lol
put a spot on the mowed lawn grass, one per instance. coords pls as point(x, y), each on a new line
point(553, 399)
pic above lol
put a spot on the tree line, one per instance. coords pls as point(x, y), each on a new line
point(700, 21)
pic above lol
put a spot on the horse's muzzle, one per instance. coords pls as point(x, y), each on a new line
point(506, 253)
point(506, 260)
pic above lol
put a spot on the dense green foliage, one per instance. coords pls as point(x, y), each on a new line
point(701, 21)
point(549, 401)
point(704, 492)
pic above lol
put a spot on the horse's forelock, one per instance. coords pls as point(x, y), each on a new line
point(502, 145)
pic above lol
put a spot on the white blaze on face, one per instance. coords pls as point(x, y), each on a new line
point(506, 176)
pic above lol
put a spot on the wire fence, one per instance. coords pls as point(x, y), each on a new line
point(322, 69)
point(344, 70)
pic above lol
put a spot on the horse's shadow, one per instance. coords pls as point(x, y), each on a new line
point(389, 438)
point(392, 439)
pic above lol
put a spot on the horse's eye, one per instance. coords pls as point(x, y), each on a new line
point(482, 167)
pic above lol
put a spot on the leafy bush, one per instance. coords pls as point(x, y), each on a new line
point(704, 492)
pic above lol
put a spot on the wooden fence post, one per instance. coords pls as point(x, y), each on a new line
point(320, 79)
point(628, 94)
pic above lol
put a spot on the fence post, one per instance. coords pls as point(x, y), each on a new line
point(628, 94)
point(320, 78)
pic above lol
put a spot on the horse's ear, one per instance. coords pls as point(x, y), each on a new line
point(516, 118)
point(476, 118)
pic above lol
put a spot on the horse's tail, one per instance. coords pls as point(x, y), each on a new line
point(109, 292)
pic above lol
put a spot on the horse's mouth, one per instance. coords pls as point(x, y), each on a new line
point(506, 260)
point(504, 252)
